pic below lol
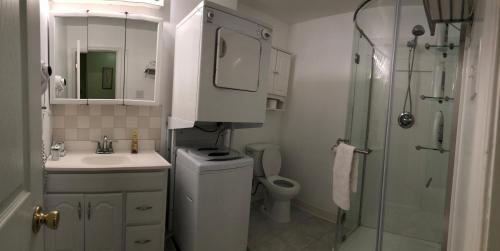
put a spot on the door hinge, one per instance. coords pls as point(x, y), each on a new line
point(356, 58)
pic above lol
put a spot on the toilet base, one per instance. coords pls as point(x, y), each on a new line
point(278, 211)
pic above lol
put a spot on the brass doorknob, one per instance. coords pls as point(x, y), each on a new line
point(50, 219)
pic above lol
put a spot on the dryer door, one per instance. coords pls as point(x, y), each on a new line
point(238, 61)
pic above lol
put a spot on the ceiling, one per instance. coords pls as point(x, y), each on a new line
point(295, 11)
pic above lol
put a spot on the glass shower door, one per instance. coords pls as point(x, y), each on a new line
point(418, 162)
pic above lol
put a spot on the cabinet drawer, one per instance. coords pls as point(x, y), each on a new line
point(145, 208)
point(144, 238)
point(105, 182)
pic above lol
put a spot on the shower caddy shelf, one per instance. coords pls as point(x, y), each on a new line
point(450, 46)
point(439, 149)
point(444, 50)
point(438, 99)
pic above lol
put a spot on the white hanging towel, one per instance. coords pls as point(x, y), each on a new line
point(345, 175)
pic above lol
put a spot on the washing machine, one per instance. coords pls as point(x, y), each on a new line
point(212, 199)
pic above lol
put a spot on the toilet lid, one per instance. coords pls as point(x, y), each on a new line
point(271, 162)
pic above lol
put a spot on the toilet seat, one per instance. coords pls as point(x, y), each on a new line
point(272, 183)
point(271, 162)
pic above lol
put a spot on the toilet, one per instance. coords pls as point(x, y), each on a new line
point(279, 190)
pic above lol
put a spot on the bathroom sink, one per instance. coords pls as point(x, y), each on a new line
point(80, 156)
point(106, 160)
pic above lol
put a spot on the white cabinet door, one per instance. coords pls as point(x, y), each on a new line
point(272, 71)
point(104, 222)
point(69, 235)
point(283, 64)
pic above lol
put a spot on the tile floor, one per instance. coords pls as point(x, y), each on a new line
point(305, 232)
point(363, 239)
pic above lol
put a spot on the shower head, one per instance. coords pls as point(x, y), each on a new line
point(418, 30)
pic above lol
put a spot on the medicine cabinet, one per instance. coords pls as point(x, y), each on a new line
point(104, 58)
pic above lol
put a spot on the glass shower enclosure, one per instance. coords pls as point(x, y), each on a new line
point(403, 98)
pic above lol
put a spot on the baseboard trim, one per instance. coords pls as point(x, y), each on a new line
point(320, 213)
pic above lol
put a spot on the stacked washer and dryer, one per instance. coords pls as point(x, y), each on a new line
point(220, 75)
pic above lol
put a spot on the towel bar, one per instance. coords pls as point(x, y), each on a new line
point(345, 141)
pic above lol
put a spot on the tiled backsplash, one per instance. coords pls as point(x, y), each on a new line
point(92, 122)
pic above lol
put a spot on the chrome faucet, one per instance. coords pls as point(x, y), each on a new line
point(106, 147)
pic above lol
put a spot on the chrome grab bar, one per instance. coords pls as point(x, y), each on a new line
point(345, 141)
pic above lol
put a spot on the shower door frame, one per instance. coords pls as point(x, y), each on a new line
point(341, 235)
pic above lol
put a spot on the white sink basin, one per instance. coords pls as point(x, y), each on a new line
point(85, 161)
point(105, 159)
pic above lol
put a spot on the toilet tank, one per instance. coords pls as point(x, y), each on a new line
point(255, 151)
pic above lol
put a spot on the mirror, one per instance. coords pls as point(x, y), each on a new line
point(100, 59)
point(68, 42)
point(140, 60)
point(101, 74)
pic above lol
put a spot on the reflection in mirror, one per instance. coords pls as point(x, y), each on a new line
point(140, 60)
point(102, 62)
point(70, 38)
point(98, 74)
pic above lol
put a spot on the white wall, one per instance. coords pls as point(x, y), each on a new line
point(317, 105)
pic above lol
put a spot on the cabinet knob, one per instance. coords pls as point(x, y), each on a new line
point(144, 208)
point(89, 206)
point(142, 241)
point(79, 210)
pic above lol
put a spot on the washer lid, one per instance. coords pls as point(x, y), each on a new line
point(215, 153)
point(271, 161)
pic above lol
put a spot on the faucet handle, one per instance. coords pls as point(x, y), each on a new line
point(99, 148)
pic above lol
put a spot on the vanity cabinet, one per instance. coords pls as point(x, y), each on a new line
point(107, 211)
point(280, 68)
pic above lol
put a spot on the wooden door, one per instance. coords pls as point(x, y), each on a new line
point(20, 126)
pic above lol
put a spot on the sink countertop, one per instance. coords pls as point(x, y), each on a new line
point(80, 158)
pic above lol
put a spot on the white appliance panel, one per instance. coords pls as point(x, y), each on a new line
point(237, 61)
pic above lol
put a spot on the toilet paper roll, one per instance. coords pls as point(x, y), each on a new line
point(272, 103)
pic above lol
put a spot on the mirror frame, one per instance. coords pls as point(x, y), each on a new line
point(123, 100)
